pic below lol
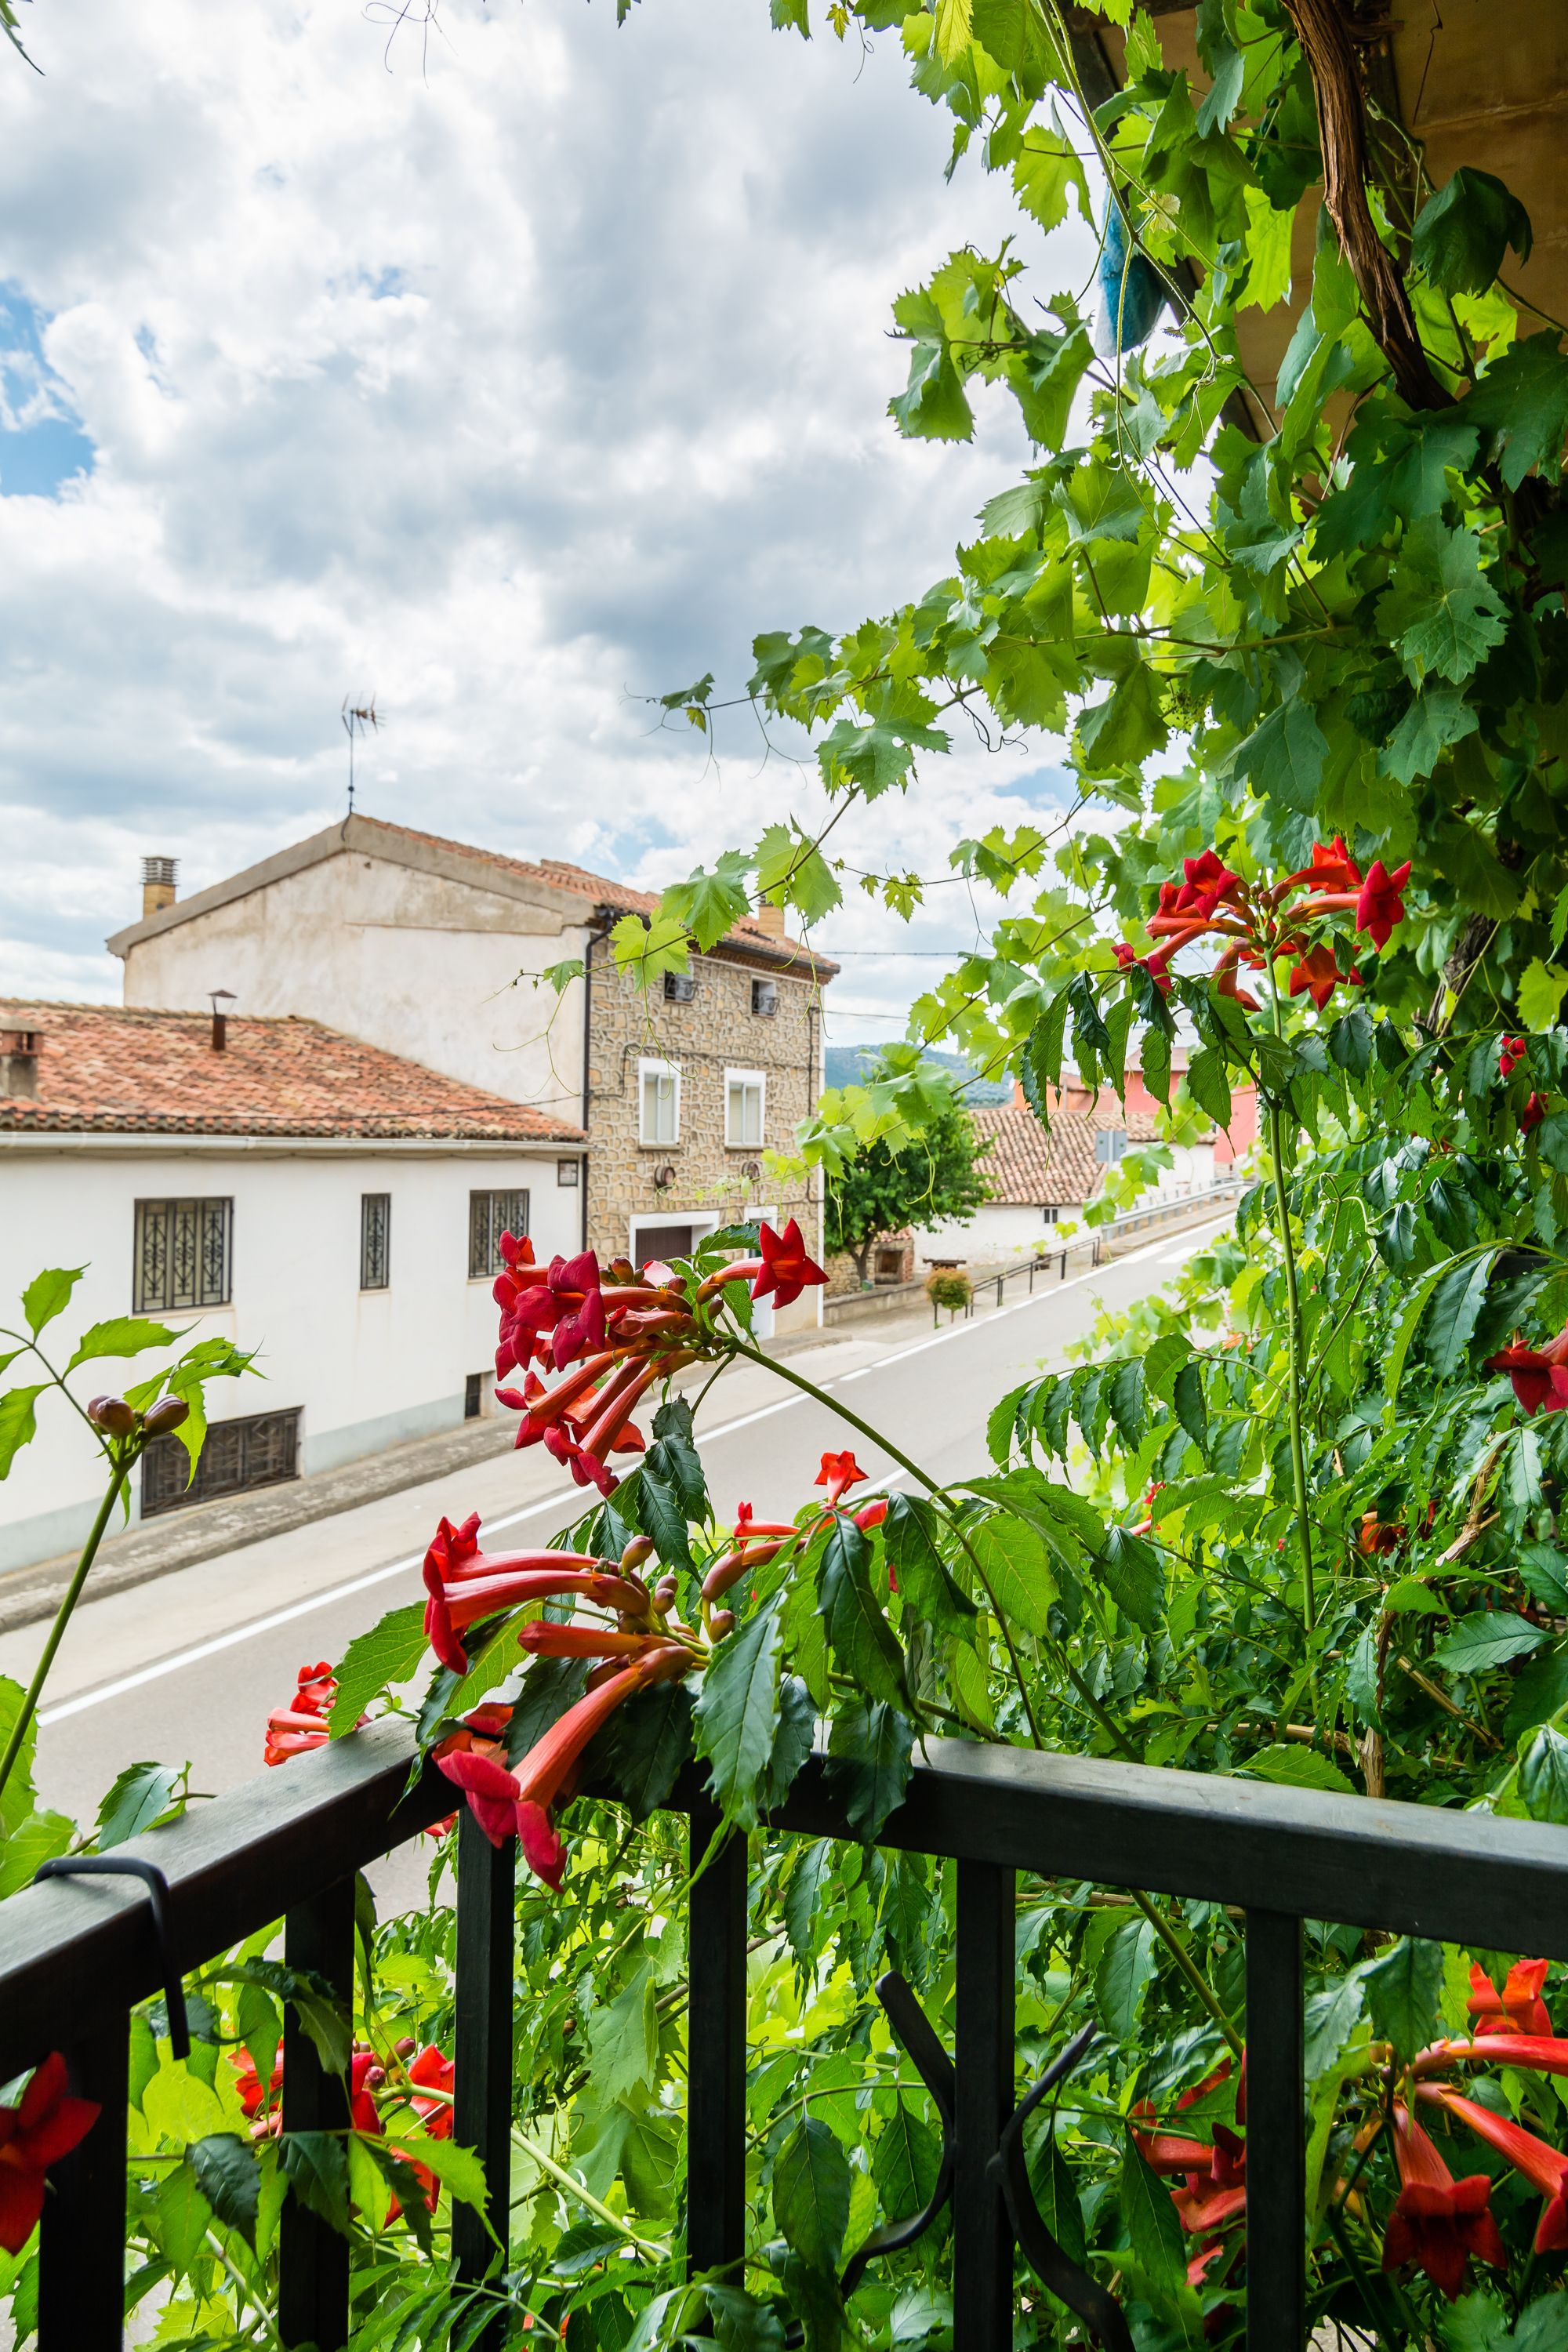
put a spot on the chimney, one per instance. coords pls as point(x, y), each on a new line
point(19, 1063)
point(770, 918)
point(158, 876)
point(221, 999)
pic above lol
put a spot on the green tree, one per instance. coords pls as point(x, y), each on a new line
point(924, 1180)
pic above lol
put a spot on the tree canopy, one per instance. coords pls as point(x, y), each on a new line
point(937, 1178)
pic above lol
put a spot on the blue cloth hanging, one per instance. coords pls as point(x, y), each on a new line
point(1132, 291)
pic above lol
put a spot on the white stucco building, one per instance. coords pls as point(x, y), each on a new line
point(430, 949)
point(330, 1205)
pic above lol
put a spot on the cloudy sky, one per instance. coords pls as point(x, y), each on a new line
point(509, 375)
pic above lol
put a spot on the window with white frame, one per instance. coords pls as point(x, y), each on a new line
point(744, 1103)
point(659, 1102)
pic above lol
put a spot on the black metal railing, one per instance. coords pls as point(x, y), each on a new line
point(76, 1956)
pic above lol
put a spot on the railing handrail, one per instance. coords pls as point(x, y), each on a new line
point(72, 1955)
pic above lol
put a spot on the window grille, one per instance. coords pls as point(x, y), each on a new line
point(1109, 1145)
point(261, 1449)
point(183, 1254)
point(375, 1241)
point(764, 996)
point(473, 1396)
point(744, 1091)
point(490, 1214)
point(679, 987)
point(567, 1173)
point(660, 1113)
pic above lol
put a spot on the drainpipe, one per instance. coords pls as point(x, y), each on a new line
point(589, 944)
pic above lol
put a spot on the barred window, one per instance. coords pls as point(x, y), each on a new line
point(679, 987)
point(262, 1449)
point(764, 996)
point(183, 1254)
point(375, 1241)
point(490, 1214)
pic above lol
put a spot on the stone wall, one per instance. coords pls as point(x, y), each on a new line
point(718, 1031)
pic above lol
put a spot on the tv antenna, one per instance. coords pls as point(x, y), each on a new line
point(356, 717)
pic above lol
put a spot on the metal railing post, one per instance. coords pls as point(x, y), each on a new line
point(482, 2049)
point(313, 2260)
point(82, 2252)
point(1275, 2137)
point(716, 2063)
point(983, 2055)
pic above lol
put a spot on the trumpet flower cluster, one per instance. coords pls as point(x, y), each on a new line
point(612, 1339)
point(1439, 2223)
point(1264, 925)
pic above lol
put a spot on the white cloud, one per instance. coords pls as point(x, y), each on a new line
point(512, 390)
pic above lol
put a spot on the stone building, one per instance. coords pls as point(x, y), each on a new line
point(438, 950)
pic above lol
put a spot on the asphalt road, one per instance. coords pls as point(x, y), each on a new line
point(189, 1665)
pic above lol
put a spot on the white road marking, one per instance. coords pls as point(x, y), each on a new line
point(315, 1600)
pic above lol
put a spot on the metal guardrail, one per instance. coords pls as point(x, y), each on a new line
point(75, 1958)
point(1216, 1198)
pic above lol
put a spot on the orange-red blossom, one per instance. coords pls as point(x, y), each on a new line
point(520, 1803)
point(838, 1472)
point(1264, 923)
point(465, 1585)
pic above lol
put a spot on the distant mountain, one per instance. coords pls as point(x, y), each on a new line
point(850, 1065)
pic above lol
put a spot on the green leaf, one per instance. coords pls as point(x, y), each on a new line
point(1190, 1408)
point(649, 947)
point(1124, 1976)
point(122, 1335)
point(1294, 1766)
point(1539, 994)
point(18, 1425)
point(1153, 2229)
point(317, 2170)
point(181, 2216)
point(1017, 1571)
point(386, 1655)
point(1124, 1400)
point(870, 1749)
point(320, 2012)
point(142, 1795)
point(649, 1740)
point(811, 2193)
point(1485, 1639)
point(624, 2039)
point(810, 1884)
point(1404, 1988)
point(1462, 233)
point(906, 2159)
point(227, 2174)
point(674, 1461)
point(49, 1294)
point(1521, 402)
point(711, 904)
point(1451, 1320)
point(1331, 2018)
point(864, 1643)
point(925, 1587)
point(742, 2324)
point(792, 1741)
point(1131, 1571)
point(36, 1838)
point(1284, 757)
point(1442, 611)
point(737, 1713)
point(1543, 1776)
point(664, 1518)
point(1209, 1084)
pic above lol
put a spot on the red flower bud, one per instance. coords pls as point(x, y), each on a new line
point(170, 1413)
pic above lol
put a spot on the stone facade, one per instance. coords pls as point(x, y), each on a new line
point(700, 1179)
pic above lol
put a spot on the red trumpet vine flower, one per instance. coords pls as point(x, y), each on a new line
point(461, 1592)
point(838, 1472)
point(1438, 2222)
point(46, 2124)
point(1153, 964)
point(1511, 1052)
point(1209, 883)
point(520, 1803)
point(540, 1639)
point(1214, 2183)
point(1381, 901)
point(1519, 2008)
point(1542, 2166)
point(1316, 974)
point(786, 1269)
point(302, 1723)
point(1333, 868)
point(1540, 1375)
point(1534, 1111)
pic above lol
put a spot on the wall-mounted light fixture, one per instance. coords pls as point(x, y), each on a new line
point(664, 1177)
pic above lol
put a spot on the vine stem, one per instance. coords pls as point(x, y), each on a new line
point(23, 1723)
point(1169, 1936)
point(584, 2196)
point(1293, 1338)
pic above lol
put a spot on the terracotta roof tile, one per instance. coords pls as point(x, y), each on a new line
point(1029, 1168)
point(562, 875)
point(108, 1068)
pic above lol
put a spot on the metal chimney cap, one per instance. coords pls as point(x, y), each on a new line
point(166, 870)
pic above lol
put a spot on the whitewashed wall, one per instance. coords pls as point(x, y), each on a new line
point(417, 963)
point(367, 1368)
